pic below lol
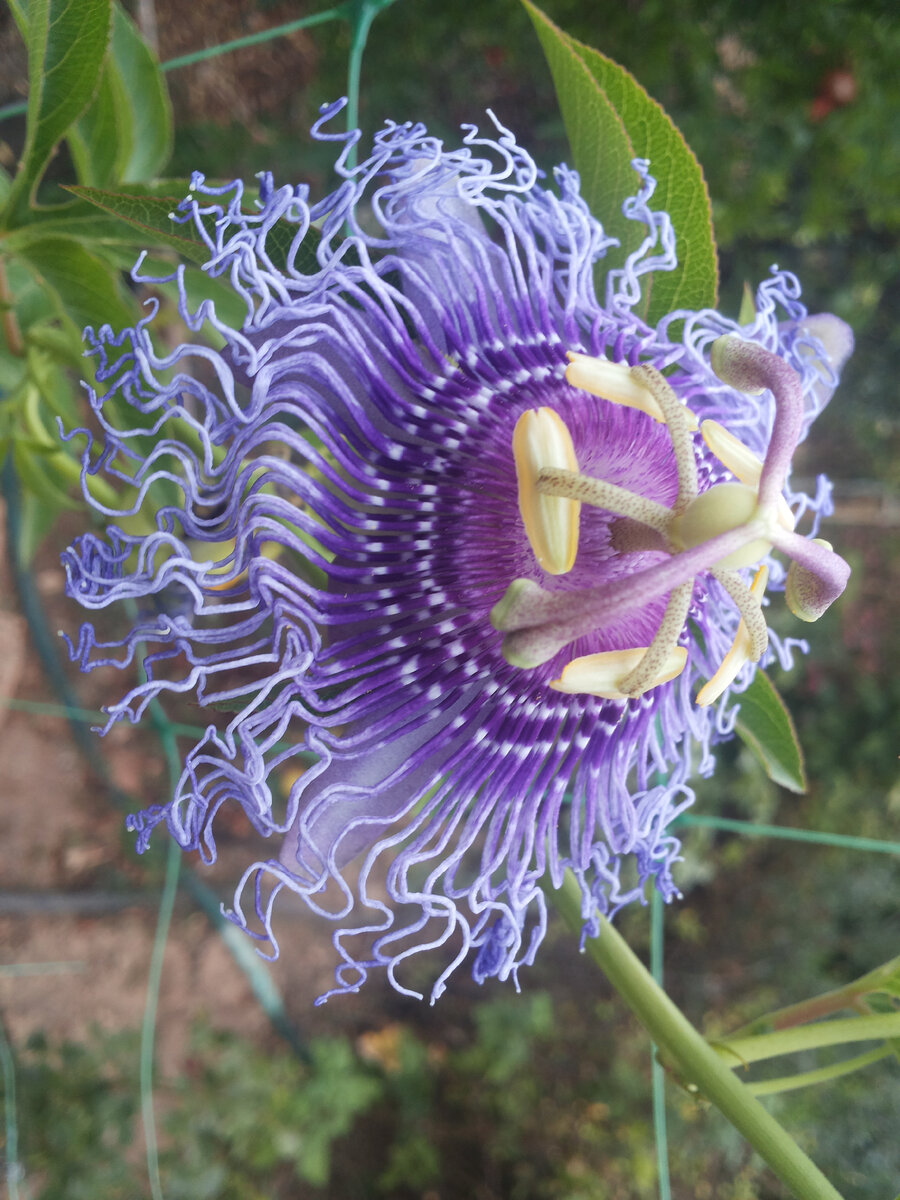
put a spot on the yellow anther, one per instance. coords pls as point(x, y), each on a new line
point(742, 463)
point(600, 674)
point(614, 382)
point(541, 440)
point(739, 654)
point(732, 453)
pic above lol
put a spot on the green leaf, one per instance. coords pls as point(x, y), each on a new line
point(609, 120)
point(67, 43)
point(148, 212)
point(96, 138)
point(147, 97)
point(765, 725)
point(591, 121)
point(32, 302)
point(36, 479)
point(87, 291)
point(79, 220)
point(37, 516)
point(45, 364)
point(126, 133)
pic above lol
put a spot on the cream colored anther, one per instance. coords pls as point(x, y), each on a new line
point(601, 674)
point(614, 382)
point(541, 440)
point(741, 651)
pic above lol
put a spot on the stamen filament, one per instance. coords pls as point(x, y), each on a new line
point(677, 419)
point(645, 674)
point(600, 494)
point(745, 641)
point(747, 602)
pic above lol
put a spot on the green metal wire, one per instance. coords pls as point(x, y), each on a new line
point(148, 1022)
point(658, 1075)
point(43, 709)
point(95, 717)
point(16, 970)
point(815, 837)
point(87, 716)
point(154, 975)
point(255, 39)
point(11, 1152)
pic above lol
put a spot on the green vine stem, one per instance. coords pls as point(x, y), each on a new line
point(695, 1058)
point(883, 978)
point(743, 1050)
point(790, 1083)
point(8, 323)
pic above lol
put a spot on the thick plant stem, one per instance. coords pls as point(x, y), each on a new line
point(694, 1058)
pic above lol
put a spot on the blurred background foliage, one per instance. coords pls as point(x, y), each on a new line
point(793, 112)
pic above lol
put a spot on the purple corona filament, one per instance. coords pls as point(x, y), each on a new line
point(321, 523)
